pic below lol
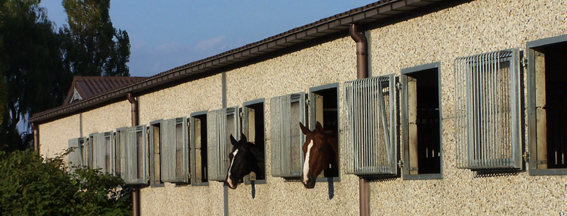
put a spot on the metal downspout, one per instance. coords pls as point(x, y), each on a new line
point(35, 137)
point(361, 73)
point(135, 189)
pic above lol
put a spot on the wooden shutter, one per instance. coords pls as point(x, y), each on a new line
point(174, 150)
point(136, 170)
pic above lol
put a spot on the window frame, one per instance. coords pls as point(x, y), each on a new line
point(531, 104)
point(468, 149)
point(155, 177)
point(312, 115)
point(245, 131)
point(404, 123)
point(193, 151)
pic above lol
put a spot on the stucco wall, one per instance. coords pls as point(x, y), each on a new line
point(54, 136)
point(465, 29)
point(180, 101)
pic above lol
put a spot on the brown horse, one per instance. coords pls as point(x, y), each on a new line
point(319, 151)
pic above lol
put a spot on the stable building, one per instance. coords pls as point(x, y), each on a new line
point(441, 107)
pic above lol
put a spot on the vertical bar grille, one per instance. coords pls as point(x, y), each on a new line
point(286, 113)
point(487, 111)
point(372, 115)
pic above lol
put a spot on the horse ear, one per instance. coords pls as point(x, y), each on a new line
point(243, 138)
point(319, 127)
point(304, 129)
point(232, 140)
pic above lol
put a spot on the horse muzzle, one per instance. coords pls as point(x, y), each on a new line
point(310, 183)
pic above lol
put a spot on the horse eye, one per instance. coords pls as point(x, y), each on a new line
point(320, 149)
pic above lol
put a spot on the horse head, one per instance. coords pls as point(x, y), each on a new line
point(319, 150)
point(244, 158)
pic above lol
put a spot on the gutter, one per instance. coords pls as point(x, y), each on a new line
point(361, 73)
point(135, 189)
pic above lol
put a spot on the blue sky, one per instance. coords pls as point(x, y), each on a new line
point(167, 34)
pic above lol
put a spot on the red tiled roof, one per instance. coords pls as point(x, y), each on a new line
point(89, 86)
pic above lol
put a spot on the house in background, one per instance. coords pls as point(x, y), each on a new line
point(443, 107)
point(84, 87)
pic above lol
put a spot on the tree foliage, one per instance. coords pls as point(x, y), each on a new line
point(30, 185)
point(30, 60)
point(93, 47)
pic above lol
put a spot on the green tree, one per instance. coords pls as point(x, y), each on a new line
point(30, 60)
point(93, 47)
point(31, 185)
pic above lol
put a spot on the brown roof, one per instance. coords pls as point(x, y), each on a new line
point(369, 13)
point(88, 86)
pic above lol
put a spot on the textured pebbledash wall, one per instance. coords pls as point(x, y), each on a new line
point(461, 29)
point(466, 29)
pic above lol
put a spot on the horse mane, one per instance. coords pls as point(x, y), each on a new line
point(258, 153)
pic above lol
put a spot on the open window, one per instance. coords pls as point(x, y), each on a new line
point(220, 125)
point(102, 155)
point(174, 151)
point(87, 152)
point(155, 154)
point(547, 106)
point(134, 155)
point(324, 108)
point(286, 112)
point(372, 116)
point(487, 111)
point(198, 126)
point(253, 129)
point(421, 122)
point(75, 156)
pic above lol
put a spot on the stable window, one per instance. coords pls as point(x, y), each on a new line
point(487, 111)
point(198, 125)
point(253, 129)
point(102, 155)
point(421, 122)
point(372, 115)
point(75, 156)
point(324, 108)
point(547, 106)
point(286, 112)
point(87, 152)
point(134, 155)
point(220, 125)
point(155, 154)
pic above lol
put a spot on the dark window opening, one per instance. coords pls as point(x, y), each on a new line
point(555, 104)
point(200, 145)
point(326, 112)
point(427, 120)
point(255, 133)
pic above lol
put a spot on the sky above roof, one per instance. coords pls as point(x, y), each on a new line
point(168, 34)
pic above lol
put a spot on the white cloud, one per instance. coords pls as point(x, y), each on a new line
point(212, 44)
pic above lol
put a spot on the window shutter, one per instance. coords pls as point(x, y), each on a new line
point(372, 114)
point(75, 157)
point(120, 153)
point(88, 153)
point(99, 151)
point(487, 110)
point(136, 156)
point(108, 157)
point(285, 113)
point(220, 124)
point(174, 167)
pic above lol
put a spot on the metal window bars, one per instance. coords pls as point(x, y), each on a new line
point(487, 111)
point(372, 116)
